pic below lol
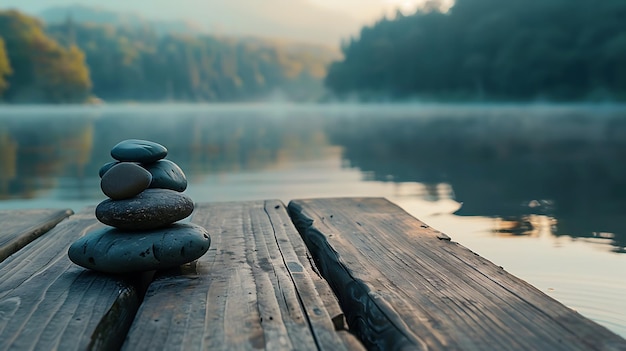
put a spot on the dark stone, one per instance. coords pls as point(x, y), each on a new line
point(125, 180)
point(135, 150)
point(167, 175)
point(111, 250)
point(152, 208)
point(105, 167)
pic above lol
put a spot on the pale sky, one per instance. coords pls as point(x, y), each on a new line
point(367, 11)
point(364, 10)
point(322, 21)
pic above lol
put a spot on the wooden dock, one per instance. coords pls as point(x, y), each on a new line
point(319, 274)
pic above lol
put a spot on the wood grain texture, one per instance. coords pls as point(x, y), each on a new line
point(48, 303)
point(254, 289)
point(404, 285)
point(20, 227)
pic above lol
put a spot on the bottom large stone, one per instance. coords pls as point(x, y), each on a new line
point(111, 250)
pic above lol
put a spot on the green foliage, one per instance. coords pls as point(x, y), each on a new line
point(491, 49)
point(136, 63)
point(59, 64)
point(5, 68)
point(43, 71)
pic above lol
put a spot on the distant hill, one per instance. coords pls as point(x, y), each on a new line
point(120, 57)
point(299, 20)
point(129, 60)
point(98, 15)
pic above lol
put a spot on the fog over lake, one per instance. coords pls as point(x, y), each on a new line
point(537, 189)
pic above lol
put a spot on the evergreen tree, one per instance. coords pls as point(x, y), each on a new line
point(490, 49)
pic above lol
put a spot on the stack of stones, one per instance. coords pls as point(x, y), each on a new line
point(145, 202)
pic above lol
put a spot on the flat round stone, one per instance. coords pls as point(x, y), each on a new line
point(125, 180)
point(136, 150)
point(105, 167)
point(111, 250)
point(167, 175)
point(150, 209)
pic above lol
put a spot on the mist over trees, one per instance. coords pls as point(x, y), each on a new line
point(480, 50)
point(556, 50)
point(130, 63)
point(70, 61)
point(88, 14)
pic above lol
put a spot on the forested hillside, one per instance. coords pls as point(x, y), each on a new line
point(556, 50)
point(71, 61)
point(35, 68)
point(130, 63)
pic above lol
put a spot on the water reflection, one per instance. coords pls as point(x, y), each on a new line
point(565, 164)
point(35, 150)
point(40, 152)
point(554, 169)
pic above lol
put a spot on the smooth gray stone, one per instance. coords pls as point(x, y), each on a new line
point(167, 175)
point(136, 150)
point(111, 250)
point(125, 180)
point(105, 167)
point(152, 208)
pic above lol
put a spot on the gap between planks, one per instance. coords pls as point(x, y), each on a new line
point(20, 227)
point(254, 289)
point(404, 285)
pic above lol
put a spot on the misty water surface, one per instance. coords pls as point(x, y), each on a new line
point(539, 190)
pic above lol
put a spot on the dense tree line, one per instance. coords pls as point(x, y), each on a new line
point(35, 68)
point(130, 63)
point(491, 49)
point(69, 62)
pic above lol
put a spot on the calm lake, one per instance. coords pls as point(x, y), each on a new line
point(537, 189)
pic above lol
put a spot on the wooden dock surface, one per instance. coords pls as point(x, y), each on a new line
point(254, 289)
point(48, 303)
point(352, 273)
point(21, 227)
point(404, 285)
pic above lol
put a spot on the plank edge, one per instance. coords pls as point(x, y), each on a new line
point(33, 232)
point(355, 298)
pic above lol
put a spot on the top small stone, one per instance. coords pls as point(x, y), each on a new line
point(135, 150)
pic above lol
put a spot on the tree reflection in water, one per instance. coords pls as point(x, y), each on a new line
point(566, 164)
point(557, 170)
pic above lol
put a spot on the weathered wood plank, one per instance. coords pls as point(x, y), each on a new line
point(254, 289)
point(404, 285)
point(48, 303)
point(20, 227)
